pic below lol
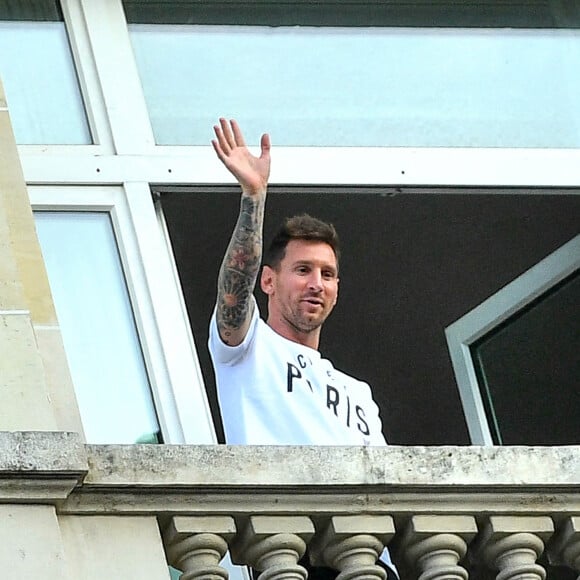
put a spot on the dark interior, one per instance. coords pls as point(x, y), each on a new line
point(412, 263)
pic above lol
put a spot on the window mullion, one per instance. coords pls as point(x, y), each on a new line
point(183, 408)
point(87, 74)
point(118, 77)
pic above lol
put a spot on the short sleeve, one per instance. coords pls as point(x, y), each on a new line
point(222, 353)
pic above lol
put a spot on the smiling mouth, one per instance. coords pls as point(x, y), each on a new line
point(313, 302)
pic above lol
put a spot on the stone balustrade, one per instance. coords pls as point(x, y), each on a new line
point(444, 512)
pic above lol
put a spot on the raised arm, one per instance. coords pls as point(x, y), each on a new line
point(241, 263)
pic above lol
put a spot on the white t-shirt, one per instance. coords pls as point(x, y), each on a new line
point(273, 391)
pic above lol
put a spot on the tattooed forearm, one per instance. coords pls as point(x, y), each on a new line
point(240, 267)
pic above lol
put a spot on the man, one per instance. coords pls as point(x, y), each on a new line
point(273, 385)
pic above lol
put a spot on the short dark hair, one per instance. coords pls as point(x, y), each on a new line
point(300, 227)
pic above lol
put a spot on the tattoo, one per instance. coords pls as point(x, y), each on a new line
point(240, 267)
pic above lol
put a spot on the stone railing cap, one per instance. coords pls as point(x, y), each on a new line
point(40, 466)
point(256, 466)
point(23, 452)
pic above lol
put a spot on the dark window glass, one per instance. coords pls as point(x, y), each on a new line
point(484, 13)
point(529, 371)
point(33, 10)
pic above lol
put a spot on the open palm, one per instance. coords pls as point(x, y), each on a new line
point(251, 172)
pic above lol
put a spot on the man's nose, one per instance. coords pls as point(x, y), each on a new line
point(315, 280)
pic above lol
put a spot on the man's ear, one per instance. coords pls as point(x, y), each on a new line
point(267, 280)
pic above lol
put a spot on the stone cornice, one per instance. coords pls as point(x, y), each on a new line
point(57, 468)
point(40, 466)
point(227, 480)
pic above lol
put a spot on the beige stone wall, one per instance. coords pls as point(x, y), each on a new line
point(31, 543)
point(35, 385)
point(36, 543)
point(98, 547)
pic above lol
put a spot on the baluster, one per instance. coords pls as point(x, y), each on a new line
point(352, 545)
point(434, 545)
point(565, 546)
point(273, 545)
point(196, 545)
point(512, 544)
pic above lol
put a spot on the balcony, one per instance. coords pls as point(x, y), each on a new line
point(445, 512)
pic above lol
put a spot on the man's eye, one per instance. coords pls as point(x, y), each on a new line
point(328, 275)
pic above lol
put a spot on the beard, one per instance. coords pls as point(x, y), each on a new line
point(306, 322)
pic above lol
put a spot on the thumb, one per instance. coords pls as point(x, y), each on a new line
point(265, 146)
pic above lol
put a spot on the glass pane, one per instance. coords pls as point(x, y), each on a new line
point(98, 327)
point(40, 82)
point(528, 371)
point(313, 86)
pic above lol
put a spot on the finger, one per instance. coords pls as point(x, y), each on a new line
point(227, 132)
point(219, 151)
point(238, 136)
point(265, 146)
point(221, 139)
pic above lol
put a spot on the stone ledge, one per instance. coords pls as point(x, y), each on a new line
point(40, 466)
point(327, 481)
point(215, 467)
point(47, 466)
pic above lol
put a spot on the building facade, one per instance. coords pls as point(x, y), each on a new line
point(444, 143)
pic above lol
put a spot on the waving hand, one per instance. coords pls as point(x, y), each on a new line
point(251, 172)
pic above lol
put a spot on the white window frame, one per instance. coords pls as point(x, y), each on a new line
point(167, 344)
point(492, 312)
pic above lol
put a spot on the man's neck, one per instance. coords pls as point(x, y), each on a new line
point(310, 339)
